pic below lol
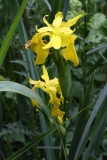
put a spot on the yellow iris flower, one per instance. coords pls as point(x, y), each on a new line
point(50, 87)
point(60, 35)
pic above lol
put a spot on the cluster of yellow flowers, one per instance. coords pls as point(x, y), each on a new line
point(60, 37)
point(50, 87)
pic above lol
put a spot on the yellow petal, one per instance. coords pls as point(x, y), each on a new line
point(63, 24)
point(64, 40)
point(60, 119)
point(55, 101)
point(32, 81)
point(60, 113)
point(34, 103)
point(37, 47)
point(71, 22)
point(54, 112)
point(69, 53)
point(36, 83)
point(66, 30)
point(58, 19)
point(51, 89)
point(54, 82)
point(41, 56)
point(57, 112)
point(60, 93)
point(45, 29)
point(34, 42)
point(55, 42)
point(45, 74)
point(45, 21)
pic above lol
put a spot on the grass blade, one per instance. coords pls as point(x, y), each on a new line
point(94, 137)
point(30, 144)
point(11, 31)
point(92, 116)
point(82, 119)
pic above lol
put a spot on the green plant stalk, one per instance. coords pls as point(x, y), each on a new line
point(64, 73)
point(62, 133)
point(11, 31)
point(64, 77)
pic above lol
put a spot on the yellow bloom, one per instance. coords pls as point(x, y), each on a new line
point(35, 104)
point(57, 112)
point(60, 36)
point(60, 119)
point(50, 87)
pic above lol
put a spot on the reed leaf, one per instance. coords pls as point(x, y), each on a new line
point(11, 31)
point(91, 118)
point(82, 120)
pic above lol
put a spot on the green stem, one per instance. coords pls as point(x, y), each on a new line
point(62, 133)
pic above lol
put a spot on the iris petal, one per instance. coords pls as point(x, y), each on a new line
point(66, 30)
point(69, 53)
point(45, 74)
point(36, 45)
point(57, 112)
point(58, 19)
point(45, 29)
point(64, 40)
point(45, 21)
point(55, 42)
point(71, 22)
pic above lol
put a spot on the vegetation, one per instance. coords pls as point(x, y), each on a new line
point(53, 91)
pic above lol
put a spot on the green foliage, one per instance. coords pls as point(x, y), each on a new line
point(75, 8)
point(6, 43)
point(17, 129)
point(96, 26)
point(82, 119)
point(26, 134)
